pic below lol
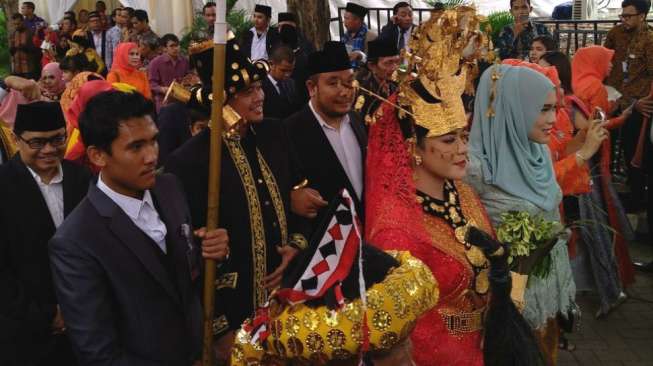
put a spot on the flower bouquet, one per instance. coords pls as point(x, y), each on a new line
point(530, 240)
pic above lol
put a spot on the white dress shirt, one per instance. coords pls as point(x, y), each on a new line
point(275, 84)
point(406, 38)
point(142, 213)
point(345, 145)
point(97, 40)
point(52, 194)
point(259, 45)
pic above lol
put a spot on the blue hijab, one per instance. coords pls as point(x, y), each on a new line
point(510, 160)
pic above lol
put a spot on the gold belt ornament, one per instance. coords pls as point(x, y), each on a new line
point(460, 322)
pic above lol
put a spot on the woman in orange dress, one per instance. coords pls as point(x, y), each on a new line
point(590, 66)
point(125, 69)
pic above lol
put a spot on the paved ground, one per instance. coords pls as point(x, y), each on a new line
point(625, 337)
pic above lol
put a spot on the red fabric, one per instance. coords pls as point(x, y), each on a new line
point(394, 221)
point(626, 268)
point(87, 91)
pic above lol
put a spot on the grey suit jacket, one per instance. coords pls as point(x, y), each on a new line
point(123, 300)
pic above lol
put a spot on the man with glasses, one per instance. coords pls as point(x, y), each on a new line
point(632, 75)
point(38, 189)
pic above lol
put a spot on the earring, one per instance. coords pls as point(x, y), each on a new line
point(418, 160)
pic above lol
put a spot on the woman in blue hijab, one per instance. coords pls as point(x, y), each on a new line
point(511, 169)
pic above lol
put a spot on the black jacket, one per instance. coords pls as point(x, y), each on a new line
point(271, 40)
point(318, 160)
point(27, 297)
point(125, 302)
point(279, 104)
point(174, 129)
point(390, 32)
point(238, 293)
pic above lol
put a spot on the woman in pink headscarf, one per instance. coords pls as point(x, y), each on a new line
point(51, 82)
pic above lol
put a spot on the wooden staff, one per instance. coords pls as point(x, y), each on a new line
point(215, 160)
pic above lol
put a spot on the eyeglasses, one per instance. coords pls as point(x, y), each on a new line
point(628, 16)
point(39, 143)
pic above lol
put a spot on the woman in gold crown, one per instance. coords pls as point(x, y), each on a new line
point(416, 201)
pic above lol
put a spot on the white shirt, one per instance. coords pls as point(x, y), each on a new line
point(52, 194)
point(97, 40)
point(259, 45)
point(275, 84)
point(406, 38)
point(345, 145)
point(142, 213)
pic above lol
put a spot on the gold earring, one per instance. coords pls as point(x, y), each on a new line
point(418, 160)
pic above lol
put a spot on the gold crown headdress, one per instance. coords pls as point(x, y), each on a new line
point(442, 57)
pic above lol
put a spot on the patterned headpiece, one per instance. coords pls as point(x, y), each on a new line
point(442, 57)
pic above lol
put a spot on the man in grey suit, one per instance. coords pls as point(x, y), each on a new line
point(125, 262)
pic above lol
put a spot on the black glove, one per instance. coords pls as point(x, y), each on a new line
point(494, 251)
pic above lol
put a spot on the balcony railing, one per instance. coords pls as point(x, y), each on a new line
point(569, 34)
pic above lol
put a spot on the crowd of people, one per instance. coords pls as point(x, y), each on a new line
point(367, 189)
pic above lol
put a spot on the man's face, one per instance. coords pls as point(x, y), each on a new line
point(172, 49)
point(248, 103)
point(42, 151)
point(404, 17)
point(139, 26)
point(18, 23)
point(333, 92)
point(260, 20)
point(94, 24)
point(209, 15)
point(83, 16)
point(144, 50)
point(130, 168)
point(352, 22)
point(26, 10)
point(520, 10)
point(100, 6)
point(122, 17)
point(282, 70)
point(66, 26)
point(630, 18)
point(385, 67)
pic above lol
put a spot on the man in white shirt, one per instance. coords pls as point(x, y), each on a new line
point(125, 263)
point(261, 38)
point(328, 138)
point(38, 189)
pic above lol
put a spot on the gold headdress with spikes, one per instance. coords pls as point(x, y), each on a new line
point(440, 67)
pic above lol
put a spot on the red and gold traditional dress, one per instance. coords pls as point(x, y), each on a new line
point(401, 218)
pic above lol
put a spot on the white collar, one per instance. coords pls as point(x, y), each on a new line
point(253, 30)
point(58, 178)
point(345, 119)
point(274, 82)
point(130, 205)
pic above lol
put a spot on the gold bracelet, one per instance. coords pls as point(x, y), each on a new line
point(301, 185)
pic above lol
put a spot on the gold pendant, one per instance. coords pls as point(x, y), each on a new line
point(475, 256)
point(482, 284)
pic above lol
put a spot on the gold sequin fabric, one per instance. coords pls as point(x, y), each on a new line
point(317, 335)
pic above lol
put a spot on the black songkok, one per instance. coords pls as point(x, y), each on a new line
point(39, 116)
point(357, 10)
point(333, 57)
point(381, 48)
point(264, 9)
point(286, 17)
